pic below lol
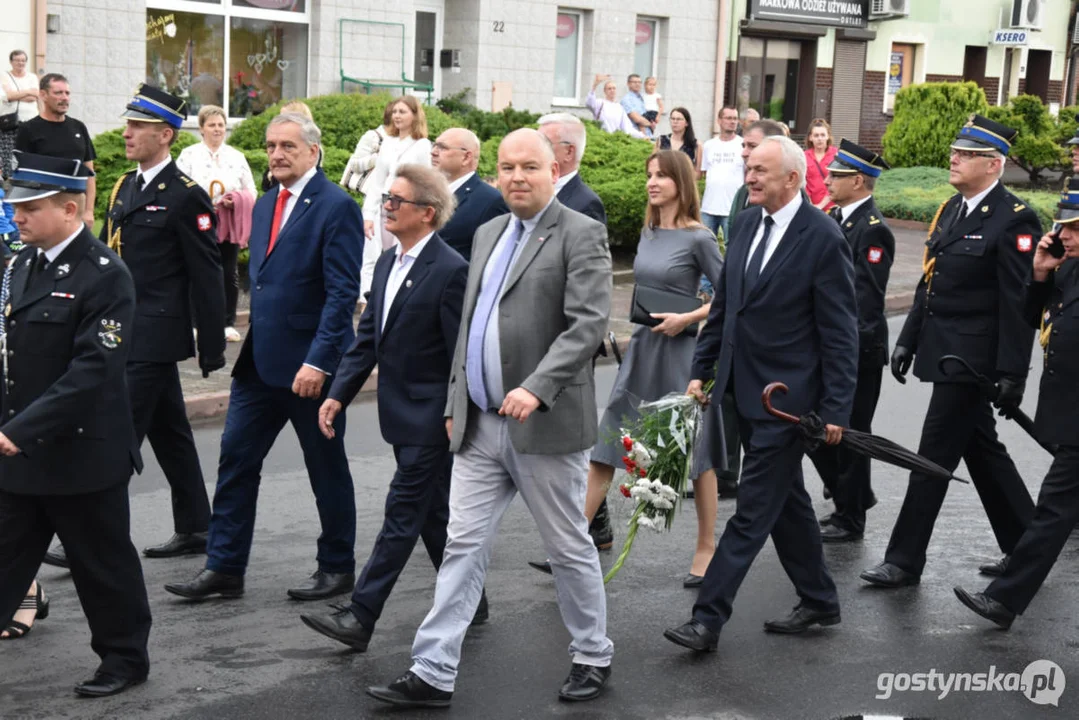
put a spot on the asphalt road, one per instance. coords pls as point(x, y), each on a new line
point(252, 658)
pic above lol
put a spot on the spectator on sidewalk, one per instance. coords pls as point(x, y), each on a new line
point(653, 102)
point(820, 152)
point(633, 103)
point(54, 134)
point(682, 138)
point(723, 168)
point(361, 164)
point(748, 117)
point(18, 96)
point(455, 154)
point(607, 111)
point(222, 171)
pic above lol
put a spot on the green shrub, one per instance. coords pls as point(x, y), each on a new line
point(1066, 124)
point(927, 118)
point(916, 193)
point(1035, 149)
point(112, 162)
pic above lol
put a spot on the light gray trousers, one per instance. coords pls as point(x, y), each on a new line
point(487, 473)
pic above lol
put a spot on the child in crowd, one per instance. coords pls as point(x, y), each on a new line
point(653, 101)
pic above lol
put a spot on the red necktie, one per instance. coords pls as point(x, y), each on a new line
point(278, 215)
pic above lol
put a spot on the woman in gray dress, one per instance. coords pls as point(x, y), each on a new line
point(674, 251)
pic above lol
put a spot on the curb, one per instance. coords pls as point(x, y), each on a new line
point(908, 224)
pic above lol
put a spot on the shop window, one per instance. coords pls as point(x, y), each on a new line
point(645, 46)
point(974, 60)
point(900, 72)
point(567, 57)
point(768, 78)
point(243, 55)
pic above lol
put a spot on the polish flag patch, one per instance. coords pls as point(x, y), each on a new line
point(205, 224)
point(1024, 243)
point(874, 255)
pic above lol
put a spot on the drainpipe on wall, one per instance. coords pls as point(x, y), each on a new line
point(38, 29)
point(722, 33)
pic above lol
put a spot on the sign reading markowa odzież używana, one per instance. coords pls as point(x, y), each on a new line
point(836, 13)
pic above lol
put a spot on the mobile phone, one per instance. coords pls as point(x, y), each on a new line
point(1056, 246)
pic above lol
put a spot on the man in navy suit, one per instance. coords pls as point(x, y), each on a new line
point(306, 241)
point(409, 329)
point(567, 135)
point(455, 154)
point(784, 310)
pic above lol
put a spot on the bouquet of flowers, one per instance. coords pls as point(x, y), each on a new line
point(659, 453)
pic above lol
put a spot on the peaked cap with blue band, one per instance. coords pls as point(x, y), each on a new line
point(851, 159)
point(1068, 208)
point(151, 104)
point(39, 176)
point(981, 134)
point(1075, 138)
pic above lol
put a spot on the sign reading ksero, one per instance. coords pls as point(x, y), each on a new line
point(1010, 37)
point(835, 13)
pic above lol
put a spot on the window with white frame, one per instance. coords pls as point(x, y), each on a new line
point(243, 55)
point(645, 46)
point(567, 57)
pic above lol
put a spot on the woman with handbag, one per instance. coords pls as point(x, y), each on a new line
point(674, 252)
point(407, 143)
point(362, 163)
point(820, 152)
point(18, 103)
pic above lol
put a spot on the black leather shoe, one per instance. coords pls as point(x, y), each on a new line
point(995, 569)
point(887, 575)
point(692, 582)
point(694, 636)
point(987, 607)
point(482, 611)
point(837, 534)
point(324, 585)
point(826, 520)
point(600, 528)
point(179, 544)
point(408, 691)
point(801, 619)
point(585, 682)
point(104, 684)
point(544, 566)
point(57, 558)
point(726, 488)
point(342, 626)
point(208, 584)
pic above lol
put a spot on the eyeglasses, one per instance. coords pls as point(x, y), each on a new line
point(443, 146)
point(394, 201)
point(968, 155)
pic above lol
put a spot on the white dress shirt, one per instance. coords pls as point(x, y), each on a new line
point(974, 202)
point(226, 164)
point(295, 190)
point(456, 184)
point(149, 175)
point(398, 272)
point(54, 252)
point(782, 218)
point(846, 212)
point(563, 180)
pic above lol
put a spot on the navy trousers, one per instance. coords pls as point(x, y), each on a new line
point(257, 414)
point(772, 500)
point(417, 505)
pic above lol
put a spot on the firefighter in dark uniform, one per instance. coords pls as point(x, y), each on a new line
point(163, 226)
point(968, 303)
point(67, 441)
point(851, 179)
point(1052, 304)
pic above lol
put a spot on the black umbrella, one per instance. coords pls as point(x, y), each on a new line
point(614, 347)
point(862, 443)
point(991, 391)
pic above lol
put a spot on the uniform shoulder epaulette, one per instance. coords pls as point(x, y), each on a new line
point(101, 259)
point(874, 220)
point(1019, 207)
point(188, 182)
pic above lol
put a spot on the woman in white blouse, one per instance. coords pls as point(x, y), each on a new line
point(221, 171)
point(407, 143)
point(18, 94)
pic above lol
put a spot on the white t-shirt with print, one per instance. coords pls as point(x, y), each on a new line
point(651, 101)
point(721, 161)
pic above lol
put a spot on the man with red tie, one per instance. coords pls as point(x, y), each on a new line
point(306, 241)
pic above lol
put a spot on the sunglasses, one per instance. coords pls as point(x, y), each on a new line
point(394, 201)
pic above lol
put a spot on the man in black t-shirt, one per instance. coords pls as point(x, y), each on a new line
point(55, 134)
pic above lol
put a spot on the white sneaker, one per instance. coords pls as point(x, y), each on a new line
point(232, 335)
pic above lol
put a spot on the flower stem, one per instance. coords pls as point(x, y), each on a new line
point(630, 537)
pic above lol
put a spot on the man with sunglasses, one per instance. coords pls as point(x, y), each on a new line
point(455, 154)
point(969, 303)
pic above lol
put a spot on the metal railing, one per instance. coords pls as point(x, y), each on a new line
point(404, 84)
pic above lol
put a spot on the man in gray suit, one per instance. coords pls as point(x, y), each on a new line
point(521, 416)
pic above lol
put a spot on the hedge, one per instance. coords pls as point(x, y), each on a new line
point(927, 117)
point(916, 193)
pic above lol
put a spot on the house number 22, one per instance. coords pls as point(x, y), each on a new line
point(499, 26)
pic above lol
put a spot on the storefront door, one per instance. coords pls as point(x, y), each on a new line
point(767, 80)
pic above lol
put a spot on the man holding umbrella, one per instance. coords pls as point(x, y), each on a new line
point(1052, 304)
point(968, 304)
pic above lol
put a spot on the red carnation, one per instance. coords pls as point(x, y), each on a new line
point(625, 490)
point(627, 442)
point(643, 472)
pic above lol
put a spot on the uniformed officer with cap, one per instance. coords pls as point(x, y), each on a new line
point(969, 304)
point(163, 226)
point(1052, 305)
point(67, 441)
point(851, 179)
point(1074, 143)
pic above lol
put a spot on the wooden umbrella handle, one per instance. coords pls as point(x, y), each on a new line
point(766, 400)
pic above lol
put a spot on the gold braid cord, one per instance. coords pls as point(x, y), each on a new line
point(114, 235)
point(928, 263)
point(1046, 331)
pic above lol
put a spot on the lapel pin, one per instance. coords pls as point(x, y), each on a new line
point(307, 201)
point(161, 186)
point(850, 224)
point(539, 239)
point(408, 283)
point(63, 270)
point(103, 260)
point(985, 208)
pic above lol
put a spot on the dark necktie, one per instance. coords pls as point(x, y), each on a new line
point(754, 270)
point(140, 181)
point(962, 214)
point(836, 214)
point(41, 264)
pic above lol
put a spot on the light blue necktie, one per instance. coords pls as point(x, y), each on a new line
point(485, 305)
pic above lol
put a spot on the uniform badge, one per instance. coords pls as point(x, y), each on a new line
point(1024, 243)
point(162, 186)
point(110, 334)
point(103, 260)
point(7, 310)
point(850, 225)
point(985, 208)
point(408, 283)
point(63, 270)
point(204, 222)
point(875, 255)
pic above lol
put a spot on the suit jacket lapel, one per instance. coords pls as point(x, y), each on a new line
point(465, 192)
point(735, 263)
point(974, 219)
point(416, 274)
point(305, 201)
point(148, 196)
point(790, 240)
point(481, 253)
point(860, 214)
point(543, 230)
point(44, 284)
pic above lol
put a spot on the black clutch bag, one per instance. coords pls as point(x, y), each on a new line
point(647, 300)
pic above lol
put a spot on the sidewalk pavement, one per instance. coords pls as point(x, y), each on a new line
point(208, 398)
